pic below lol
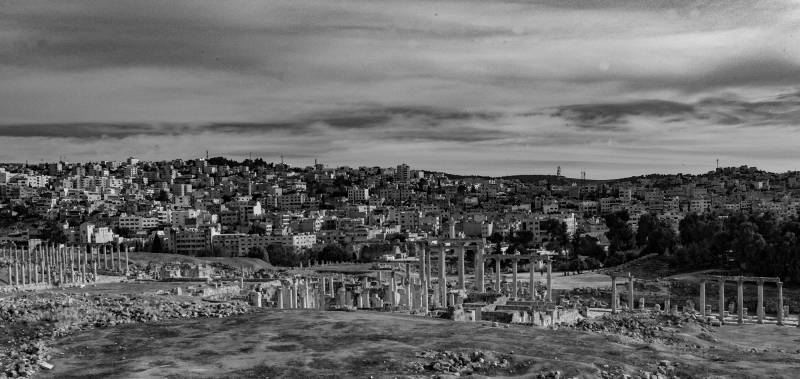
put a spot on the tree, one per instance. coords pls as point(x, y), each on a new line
point(496, 237)
point(163, 196)
point(156, 246)
point(258, 252)
point(557, 234)
point(619, 234)
point(587, 246)
point(335, 253)
point(280, 256)
point(522, 237)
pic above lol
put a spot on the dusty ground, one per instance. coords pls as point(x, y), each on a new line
point(296, 344)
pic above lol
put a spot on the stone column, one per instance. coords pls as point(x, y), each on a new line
point(60, 266)
point(703, 298)
point(514, 285)
point(531, 283)
point(85, 265)
point(294, 294)
point(50, 267)
point(425, 280)
point(614, 295)
point(442, 278)
point(27, 267)
point(24, 264)
point(740, 300)
point(497, 273)
point(461, 283)
point(549, 280)
point(105, 256)
point(479, 283)
point(306, 299)
point(94, 268)
point(780, 303)
point(760, 306)
point(409, 287)
point(393, 291)
point(16, 266)
point(630, 292)
point(127, 267)
point(119, 259)
point(722, 301)
point(37, 262)
point(280, 297)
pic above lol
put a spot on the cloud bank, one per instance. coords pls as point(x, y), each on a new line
point(610, 87)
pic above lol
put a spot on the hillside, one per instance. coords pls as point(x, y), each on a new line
point(143, 258)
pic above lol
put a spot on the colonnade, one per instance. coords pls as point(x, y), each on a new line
point(740, 280)
point(61, 264)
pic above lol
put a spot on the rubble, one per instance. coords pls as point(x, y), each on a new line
point(461, 363)
point(33, 321)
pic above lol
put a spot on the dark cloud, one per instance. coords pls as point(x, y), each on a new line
point(781, 110)
point(89, 130)
point(424, 123)
point(613, 116)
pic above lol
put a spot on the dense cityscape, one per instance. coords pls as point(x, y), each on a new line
point(220, 207)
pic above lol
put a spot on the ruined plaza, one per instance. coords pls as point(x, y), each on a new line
point(442, 282)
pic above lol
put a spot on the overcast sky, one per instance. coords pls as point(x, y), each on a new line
point(611, 87)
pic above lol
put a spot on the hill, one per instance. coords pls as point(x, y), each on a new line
point(143, 258)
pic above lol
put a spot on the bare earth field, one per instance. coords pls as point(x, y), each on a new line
point(294, 344)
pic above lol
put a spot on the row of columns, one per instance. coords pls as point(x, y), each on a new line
point(740, 300)
point(515, 277)
point(615, 295)
point(480, 263)
point(58, 264)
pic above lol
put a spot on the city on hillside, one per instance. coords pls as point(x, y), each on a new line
point(287, 215)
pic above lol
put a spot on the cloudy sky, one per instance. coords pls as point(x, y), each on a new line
point(611, 87)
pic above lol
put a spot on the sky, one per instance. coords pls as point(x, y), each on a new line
point(610, 87)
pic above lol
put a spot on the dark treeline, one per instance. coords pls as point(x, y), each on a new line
point(759, 244)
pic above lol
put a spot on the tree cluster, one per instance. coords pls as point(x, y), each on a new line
point(758, 244)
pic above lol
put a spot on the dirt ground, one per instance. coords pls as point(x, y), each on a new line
point(295, 344)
